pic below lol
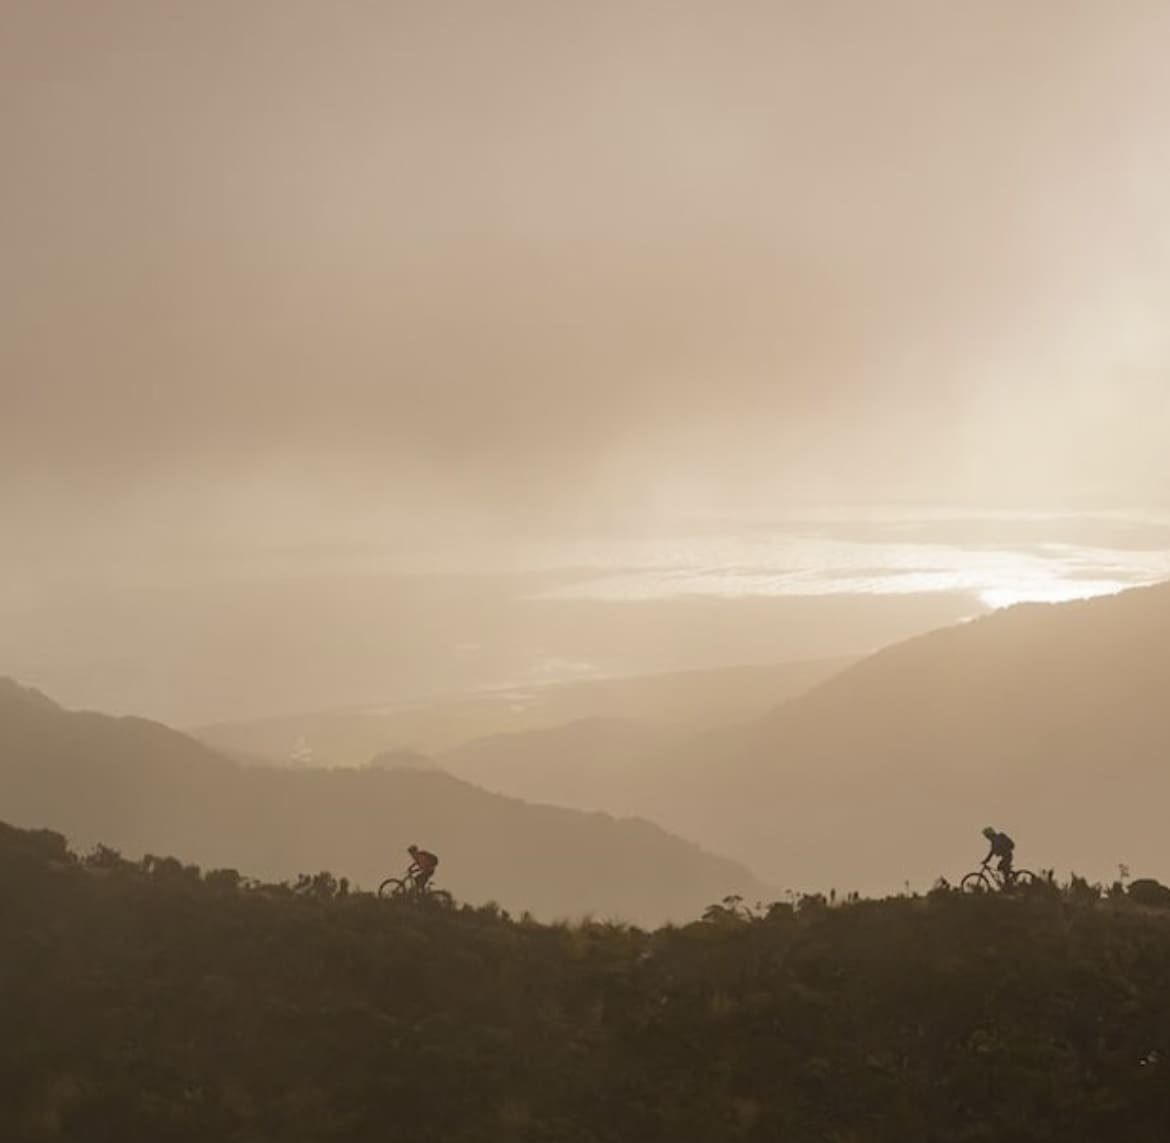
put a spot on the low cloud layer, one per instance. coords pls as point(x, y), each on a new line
point(280, 270)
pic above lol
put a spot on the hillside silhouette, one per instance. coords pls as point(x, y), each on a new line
point(152, 1001)
point(141, 787)
point(1049, 721)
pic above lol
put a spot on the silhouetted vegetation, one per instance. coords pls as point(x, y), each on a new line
point(150, 1000)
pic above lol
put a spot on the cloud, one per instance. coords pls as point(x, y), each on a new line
point(532, 261)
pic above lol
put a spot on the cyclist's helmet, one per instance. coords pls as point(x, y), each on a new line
point(412, 848)
point(989, 832)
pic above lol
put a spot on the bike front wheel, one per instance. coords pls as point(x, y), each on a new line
point(393, 887)
point(980, 881)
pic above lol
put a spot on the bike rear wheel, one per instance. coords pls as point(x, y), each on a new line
point(1023, 879)
point(393, 887)
point(441, 897)
point(979, 881)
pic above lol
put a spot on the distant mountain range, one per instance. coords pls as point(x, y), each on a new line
point(142, 787)
point(1051, 722)
point(594, 763)
point(685, 700)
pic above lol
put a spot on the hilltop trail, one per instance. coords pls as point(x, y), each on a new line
point(152, 1002)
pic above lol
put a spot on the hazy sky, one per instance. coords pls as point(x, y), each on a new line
point(277, 269)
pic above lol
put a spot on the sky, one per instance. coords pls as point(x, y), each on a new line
point(282, 275)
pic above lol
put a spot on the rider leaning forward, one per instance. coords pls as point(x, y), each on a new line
point(1002, 847)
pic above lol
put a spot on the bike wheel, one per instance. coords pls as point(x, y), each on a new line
point(393, 887)
point(1024, 879)
point(979, 881)
point(441, 898)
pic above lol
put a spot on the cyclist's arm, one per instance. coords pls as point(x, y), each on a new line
point(990, 855)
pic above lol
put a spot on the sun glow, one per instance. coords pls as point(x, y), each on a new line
point(802, 563)
point(1053, 591)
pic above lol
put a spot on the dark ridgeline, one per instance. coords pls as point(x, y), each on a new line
point(141, 787)
point(145, 1001)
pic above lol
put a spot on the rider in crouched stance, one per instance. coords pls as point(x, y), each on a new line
point(422, 866)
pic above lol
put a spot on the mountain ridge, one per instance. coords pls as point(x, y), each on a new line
point(691, 699)
point(143, 787)
point(1046, 718)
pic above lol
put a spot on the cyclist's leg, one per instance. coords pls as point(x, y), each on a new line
point(1005, 869)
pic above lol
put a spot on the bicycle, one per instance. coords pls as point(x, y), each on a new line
point(986, 879)
point(407, 886)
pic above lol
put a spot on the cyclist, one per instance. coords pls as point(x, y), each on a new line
point(1002, 847)
point(422, 866)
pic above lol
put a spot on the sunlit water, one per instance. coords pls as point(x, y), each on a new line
point(1001, 560)
point(977, 561)
point(376, 618)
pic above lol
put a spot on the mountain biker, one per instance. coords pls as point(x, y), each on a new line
point(1002, 847)
point(422, 866)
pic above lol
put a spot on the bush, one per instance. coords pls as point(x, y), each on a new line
point(1147, 891)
